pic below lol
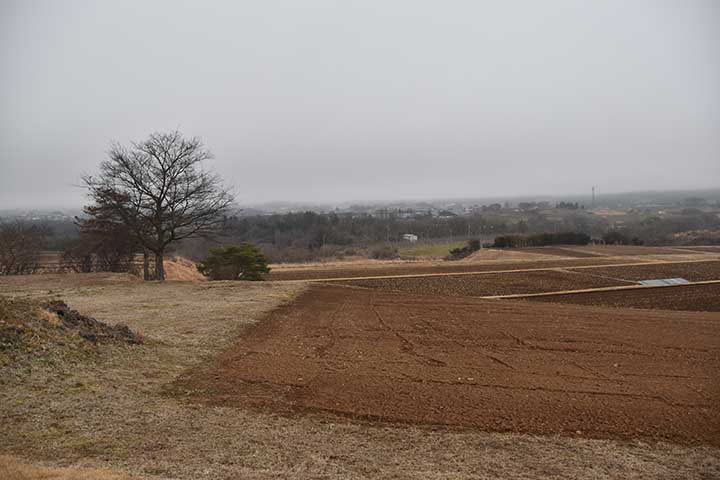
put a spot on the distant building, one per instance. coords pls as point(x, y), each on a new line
point(409, 213)
point(410, 237)
point(446, 214)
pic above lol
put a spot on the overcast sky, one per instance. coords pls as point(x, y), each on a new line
point(362, 100)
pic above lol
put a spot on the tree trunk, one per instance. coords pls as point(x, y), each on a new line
point(160, 266)
point(86, 264)
point(146, 265)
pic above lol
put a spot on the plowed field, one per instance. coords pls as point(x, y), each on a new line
point(488, 284)
point(483, 364)
point(542, 281)
point(693, 271)
point(429, 269)
point(700, 298)
point(625, 250)
point(703, 249)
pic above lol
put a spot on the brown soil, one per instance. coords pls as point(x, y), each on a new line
point(511, 283)
point(700, 298)
point(425, 269)
point(707, 249)
point(615, 250)
point(693, 271)
point(488, 284)
point(483, 364)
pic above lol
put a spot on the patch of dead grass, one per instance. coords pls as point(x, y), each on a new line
point(12, 468)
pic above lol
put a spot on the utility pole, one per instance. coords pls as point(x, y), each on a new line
point(593, 197)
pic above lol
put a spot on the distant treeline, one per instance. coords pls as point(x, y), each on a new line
point(542, 240)
point(314, 230)
point(308, 235)
point(305, 236)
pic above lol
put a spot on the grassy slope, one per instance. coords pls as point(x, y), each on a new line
point(438, 250)
point(115, 411)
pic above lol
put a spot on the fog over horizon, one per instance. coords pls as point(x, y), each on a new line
point(323, 101)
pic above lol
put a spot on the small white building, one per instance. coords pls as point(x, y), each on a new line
point(410, 237)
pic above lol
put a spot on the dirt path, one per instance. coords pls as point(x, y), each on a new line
point(488, 365)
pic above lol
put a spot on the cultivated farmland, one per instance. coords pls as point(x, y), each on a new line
point(693, 271)
point(379, 269)
point(530, 281)
point(397, 362)
point(489, 365)
point(498, 260)
point(488, 284)
point(700, 298)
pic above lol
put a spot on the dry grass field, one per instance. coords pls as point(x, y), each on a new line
point(11, 468)
point(213, 392)
point(429, 250)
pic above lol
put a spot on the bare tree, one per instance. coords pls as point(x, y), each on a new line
point(160, 192)
point(20, 247)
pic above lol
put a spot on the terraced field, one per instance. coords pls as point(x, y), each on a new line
point(488, 284)
point(693, 271)
point(420, 268)
point(539, 281)
point(700, 298)
point(634, 250)
point(704, 249)
point(510, 259)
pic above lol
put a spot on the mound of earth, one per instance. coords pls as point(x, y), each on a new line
point(181, 268)
point(89, 328)
point(33, 329)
